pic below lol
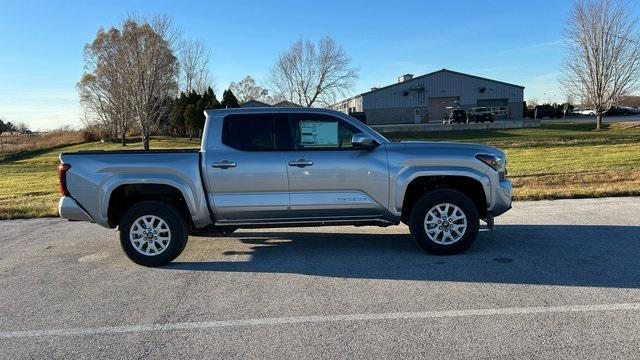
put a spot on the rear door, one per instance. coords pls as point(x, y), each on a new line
point(246, 171)
point(328, 178)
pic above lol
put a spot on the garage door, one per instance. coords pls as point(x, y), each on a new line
point(499, 107)
point(440, 106)
point(493, 102)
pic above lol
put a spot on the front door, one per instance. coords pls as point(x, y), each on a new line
point(328, 178)
point(416, 117)
point(247, 177)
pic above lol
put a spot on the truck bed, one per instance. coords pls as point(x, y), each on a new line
point(94, 175)
point(100, 152)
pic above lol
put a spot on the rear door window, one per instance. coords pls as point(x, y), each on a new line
point(251, 132)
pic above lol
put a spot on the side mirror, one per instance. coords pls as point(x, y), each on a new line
point(363, 141)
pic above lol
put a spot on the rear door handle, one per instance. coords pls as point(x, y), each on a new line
point(301, 163)
point(224, 164)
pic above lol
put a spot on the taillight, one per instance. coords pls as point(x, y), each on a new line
point(62, 177)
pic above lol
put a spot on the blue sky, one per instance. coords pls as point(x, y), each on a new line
point(513, 41)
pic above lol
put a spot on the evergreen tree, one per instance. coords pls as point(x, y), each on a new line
point(193, 97)
point(229, 100)
point(177, 114)
point(211, 102)
point(200, 118)
point(191, 119)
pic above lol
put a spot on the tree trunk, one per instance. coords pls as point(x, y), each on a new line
point(124, 139)
point(190, 135)
point(598, 121)
point(145, 141)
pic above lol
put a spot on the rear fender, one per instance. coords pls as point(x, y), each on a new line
point(192, 193)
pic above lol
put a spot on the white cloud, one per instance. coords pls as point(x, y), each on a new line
point(543, 46)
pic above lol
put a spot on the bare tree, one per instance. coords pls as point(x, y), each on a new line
point(22, 127)
point(194, 66)
point(102, 89)
point(151, 70)
point(603, 60)
point(247, 89)
point(307, 74)
point(130, 73)
point(630, 100)
point(533, 101)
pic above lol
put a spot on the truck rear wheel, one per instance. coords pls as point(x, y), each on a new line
point(152, 233)
point(444, 222)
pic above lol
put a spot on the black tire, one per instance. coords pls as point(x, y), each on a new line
point(430, 200)
point(174, 221)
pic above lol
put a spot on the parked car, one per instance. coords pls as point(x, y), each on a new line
point(273, 167)
point(613, 111)
point(547, 111)
point(588, 112)
point(456, 116)
point(621, 111)
point(481, 114)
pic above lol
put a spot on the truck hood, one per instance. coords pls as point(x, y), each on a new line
point(444, 147)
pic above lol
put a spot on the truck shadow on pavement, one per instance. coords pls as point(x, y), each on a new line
point(569, 255)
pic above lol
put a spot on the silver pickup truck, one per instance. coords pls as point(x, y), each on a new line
point(274, 167)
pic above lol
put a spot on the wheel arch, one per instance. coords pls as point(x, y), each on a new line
point(124, 196)
point(471, 183)
point(145, 188)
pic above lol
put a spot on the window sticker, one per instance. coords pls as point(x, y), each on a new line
point(318, 133)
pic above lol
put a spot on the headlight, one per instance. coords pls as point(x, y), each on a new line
point(497, 163)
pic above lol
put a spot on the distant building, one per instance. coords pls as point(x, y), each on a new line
point(285, 103)
point(429, 97)
point(254, 103)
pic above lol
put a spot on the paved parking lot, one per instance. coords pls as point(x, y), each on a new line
point(557, 279)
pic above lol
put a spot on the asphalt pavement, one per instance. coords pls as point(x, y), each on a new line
point(557, 279)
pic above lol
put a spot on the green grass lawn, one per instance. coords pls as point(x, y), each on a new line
point(561, 160)
point(29, 180)
point(555, 161)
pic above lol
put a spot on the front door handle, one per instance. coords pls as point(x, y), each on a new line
point(301, 163)
point(224, 164)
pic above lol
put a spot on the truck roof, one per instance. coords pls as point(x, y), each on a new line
point(271, 110)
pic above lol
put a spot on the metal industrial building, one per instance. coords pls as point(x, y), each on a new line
point(429, 97)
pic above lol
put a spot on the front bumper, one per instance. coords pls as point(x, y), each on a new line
point(501, 198)
point(68, 208)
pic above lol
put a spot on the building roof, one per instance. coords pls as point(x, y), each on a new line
point(254, 103)
point(285, 103)
point(427, 75)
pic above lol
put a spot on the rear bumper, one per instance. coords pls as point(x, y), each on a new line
point(68, 208)
point(501, 198)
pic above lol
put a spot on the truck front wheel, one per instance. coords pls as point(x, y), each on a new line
point(152, 233)
point(444, 222)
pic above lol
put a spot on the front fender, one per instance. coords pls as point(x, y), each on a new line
point(405, 177)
